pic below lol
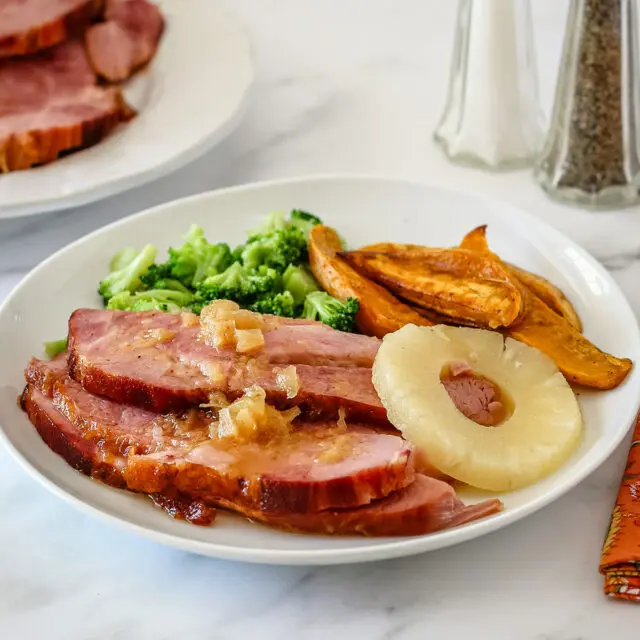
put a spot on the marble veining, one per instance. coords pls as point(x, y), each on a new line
point(342, 86)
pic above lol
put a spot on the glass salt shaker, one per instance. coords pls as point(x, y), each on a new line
point(492, 118)
point(591, 154)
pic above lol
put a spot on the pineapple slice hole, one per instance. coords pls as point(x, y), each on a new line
point(475, 396)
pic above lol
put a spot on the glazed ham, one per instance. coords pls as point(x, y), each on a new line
point(126, 41)
point(425, 506)
point(26, 26)
point(50, 104)
point(310, 482)
point(114, 354)
point(318, 466)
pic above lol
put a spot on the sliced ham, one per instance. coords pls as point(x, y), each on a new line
point(318, 466)
point(89, 457)
point(425, 506)
point(26, 26)
point(50, 104)
point(126, 41)
point(111, 354)
point(275, 486)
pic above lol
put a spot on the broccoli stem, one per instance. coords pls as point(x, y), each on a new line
point(55, 347)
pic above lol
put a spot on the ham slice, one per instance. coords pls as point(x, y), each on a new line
point(87, 456)
point(317, 466)
point(50, 104)
point(425, 506)
point(126, 41)
point(90, 432)
point(111, 355)
point(26, 26)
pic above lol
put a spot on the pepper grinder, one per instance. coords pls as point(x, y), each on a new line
point(591, 154)
point(492, 118)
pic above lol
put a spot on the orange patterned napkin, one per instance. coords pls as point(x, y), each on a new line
point(620, 561)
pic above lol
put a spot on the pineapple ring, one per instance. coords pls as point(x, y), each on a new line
point(541, 432)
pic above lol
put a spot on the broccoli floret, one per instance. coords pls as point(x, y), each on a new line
point(299, 282)
point(52, 349)
point(154, 299)
point(236, 254)
point(194, 260)
point(303, 221)
point(271, 223)
point(122, 259)
point(127, 277)
point(238, 284)
point(158, 277)
point(155, 273)
point(277, 250)
point(339, 315)
point(277, 304)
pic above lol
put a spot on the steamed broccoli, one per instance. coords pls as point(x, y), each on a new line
point(303, 221)
point(159, 277)
point(277, 304)
point(131, 265)
point(154, 299)
point(237, 283)
point(194, 260)
point(52, 349)
point(122, 258)
point(339, 315)
point(269, 224)
point(299, 282)
point(277, 249)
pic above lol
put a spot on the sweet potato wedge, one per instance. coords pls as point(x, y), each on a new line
point(551, 295)
point(579, 360)
point(380, 312)
point(476, 240)
point(552, 325)
point(455, 282)
point(439, 318)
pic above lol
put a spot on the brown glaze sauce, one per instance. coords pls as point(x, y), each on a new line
point(181, 507)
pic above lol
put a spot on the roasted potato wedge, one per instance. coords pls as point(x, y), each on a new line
point(455, 282)
point(476, 240)
point(380, 312)
point(580, 361)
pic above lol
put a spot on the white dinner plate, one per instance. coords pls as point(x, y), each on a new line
point(189, 98)
point(365, 210)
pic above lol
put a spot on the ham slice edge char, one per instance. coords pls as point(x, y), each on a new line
point(27, 26)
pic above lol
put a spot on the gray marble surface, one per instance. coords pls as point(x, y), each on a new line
point(351, 86)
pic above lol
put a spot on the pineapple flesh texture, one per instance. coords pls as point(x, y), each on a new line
point(544, 422)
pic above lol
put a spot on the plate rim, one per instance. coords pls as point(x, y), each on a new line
point(395, 548)
point(118, 186)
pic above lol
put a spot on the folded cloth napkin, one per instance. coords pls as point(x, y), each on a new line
point(620, 561)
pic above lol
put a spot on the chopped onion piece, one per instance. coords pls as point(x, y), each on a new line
point(249, 340)
point(189, 319)
point(287, 381)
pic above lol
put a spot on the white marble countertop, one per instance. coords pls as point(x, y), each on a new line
point(342, 86)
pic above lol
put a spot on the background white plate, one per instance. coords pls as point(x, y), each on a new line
point(190, 97)
point(365, 210)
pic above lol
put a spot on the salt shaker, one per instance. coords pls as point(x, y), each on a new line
point(591, 154)
point(492, 118)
